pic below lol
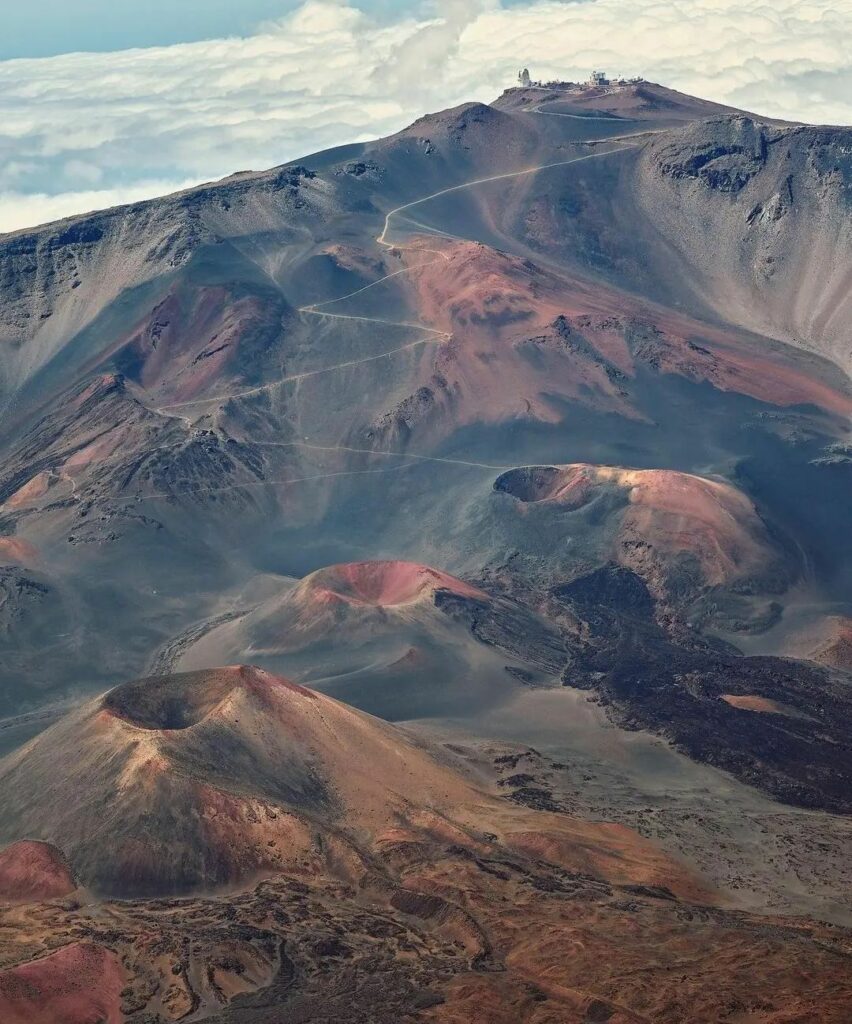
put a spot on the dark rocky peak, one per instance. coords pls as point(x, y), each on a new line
point(723, 153)
point(369, 170)
point(455, 117)
point(293, 176)
point(824, 152)
point(459, 124)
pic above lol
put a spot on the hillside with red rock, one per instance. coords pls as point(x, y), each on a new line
point(33, 871)
point(512, 451)
point(324, 841)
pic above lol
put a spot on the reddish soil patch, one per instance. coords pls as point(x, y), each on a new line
point(189, 341)
point(79, 984)
point(763, 705)
point(492, 303)
point(20, 552)
point(34, 489)
point(31, 871)
point(384, 584)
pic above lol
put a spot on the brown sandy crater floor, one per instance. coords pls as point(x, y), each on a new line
point(493, 938)
point(402, 879)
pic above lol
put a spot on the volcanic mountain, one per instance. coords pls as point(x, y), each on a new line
point(682, 533)
point(527, 427)
point(310, 348)
point(210, 779)
point(397, 639)
point(387, 585)
point(207, 779)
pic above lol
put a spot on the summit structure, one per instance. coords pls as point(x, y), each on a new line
point(596, 80)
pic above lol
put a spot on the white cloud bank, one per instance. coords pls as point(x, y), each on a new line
point(82, 131)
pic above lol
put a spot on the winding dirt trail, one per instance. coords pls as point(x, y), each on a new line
point(388, 455)
point(252, 484)
point(260, 388)
point(433, 336)
point(317, 309)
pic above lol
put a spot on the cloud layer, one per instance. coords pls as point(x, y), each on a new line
point(82, 131)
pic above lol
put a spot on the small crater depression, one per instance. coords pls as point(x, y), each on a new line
point(171, 703)
point(571, 486)
point(530, 483)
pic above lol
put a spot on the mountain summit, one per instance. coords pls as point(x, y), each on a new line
point(505, 462)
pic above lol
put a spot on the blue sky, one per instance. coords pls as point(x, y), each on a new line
point(43, 28)
point(214, 86)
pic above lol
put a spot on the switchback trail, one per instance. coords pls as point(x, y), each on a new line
point(383, 454)
point(316, 309)
point(260, 388)
point(434, 335)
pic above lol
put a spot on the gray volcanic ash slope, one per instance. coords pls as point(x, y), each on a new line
point(763, 219)
point(525, 430)
point(397, 639)
point(355, 358)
